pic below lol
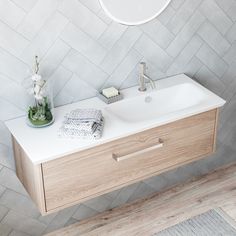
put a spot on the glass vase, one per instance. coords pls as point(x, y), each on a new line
point(41, 108)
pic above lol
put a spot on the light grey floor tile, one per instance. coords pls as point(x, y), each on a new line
point(9, 180)
point(5, 230)
point(143, 190)
point(61, 219)
point(19, 203)
point(17, 233)
point(23, 224)
point(99, 204)
point(84, 212)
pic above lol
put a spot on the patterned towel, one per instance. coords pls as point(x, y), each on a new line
point(85, 126)
point(76, 125)
point(84, 115)
point(75, 133)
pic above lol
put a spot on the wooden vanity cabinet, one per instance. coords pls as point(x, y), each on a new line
point(75, 178)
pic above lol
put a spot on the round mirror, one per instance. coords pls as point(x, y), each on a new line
point(133, 12)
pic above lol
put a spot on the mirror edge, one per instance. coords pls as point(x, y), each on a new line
point(132, 23)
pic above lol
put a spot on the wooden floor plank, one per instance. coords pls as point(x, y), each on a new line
point(160, 211)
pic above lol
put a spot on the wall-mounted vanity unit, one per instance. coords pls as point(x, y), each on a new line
point(145, 134)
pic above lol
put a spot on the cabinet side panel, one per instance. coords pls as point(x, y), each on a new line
point(216, 130)
point(30, 176)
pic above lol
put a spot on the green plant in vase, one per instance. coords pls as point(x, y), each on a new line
point(40, 113)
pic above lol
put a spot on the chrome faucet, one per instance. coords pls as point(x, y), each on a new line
point(143, 78)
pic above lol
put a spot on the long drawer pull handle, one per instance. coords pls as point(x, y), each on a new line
point(131, 155)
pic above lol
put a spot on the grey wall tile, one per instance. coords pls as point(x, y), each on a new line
point(124, 69)
point(37, 17)
point(176, 4)
point(231, 34)
point(193, 67)
point(93, 5)
point(2, 188)
point(212, 60)
point(11, 41)
point(15, 88)
point(104, 17)
point(26, 5)
point(83, 18)
point(229, 78)
point(3, 212)
point(213, 38)
point(146, 47)
point(187, 53)
point(11, 14)
point(153, 70)
point(209, 80)
point(86, 71)
point(216, 15)
point(63, 98)
point(71, 88)
point(5, 137)
point(183, 15)
point(185, 34)
point(8, 61)
point(166, 15)
point(118, 52)
point(112, 34)
point(46, 37)
point(228, 6)
point(230, 56)
point(131, 80)
point(158, 33)
point(59, 78)
point(10, 111)
point(81, 42)
point(52, 60)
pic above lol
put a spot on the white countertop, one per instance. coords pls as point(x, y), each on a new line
point(43, 144)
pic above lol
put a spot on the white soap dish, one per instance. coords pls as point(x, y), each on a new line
point(111, 99)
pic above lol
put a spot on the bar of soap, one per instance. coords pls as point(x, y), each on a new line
point(110, 92)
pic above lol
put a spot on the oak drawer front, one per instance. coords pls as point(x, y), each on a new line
point(93, 172)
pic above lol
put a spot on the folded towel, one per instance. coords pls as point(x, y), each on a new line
point(82, 123)
point(86, 126)
point(82, 134)
point(84, 115)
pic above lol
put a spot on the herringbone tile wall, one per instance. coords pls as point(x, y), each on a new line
point(82, 51)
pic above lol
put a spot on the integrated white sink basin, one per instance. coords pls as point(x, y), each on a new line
point(152, 105)
point(175, 98)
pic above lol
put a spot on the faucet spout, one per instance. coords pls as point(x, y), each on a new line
point(152, 82)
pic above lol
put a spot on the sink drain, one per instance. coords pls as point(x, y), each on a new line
point(148, 99)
